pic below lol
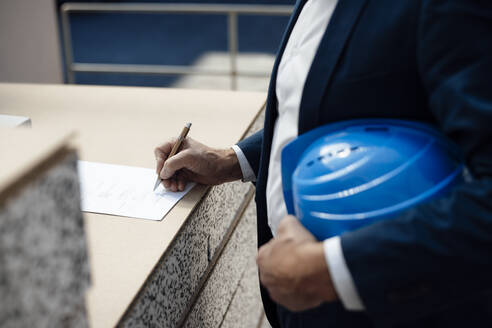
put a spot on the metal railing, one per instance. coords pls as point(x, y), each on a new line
point(232, 11)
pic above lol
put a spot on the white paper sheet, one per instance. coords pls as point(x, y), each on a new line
point(11, 121)
point(125, 191)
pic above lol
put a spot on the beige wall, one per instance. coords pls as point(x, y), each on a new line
point(29, 43)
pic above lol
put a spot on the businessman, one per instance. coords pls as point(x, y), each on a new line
point(421, 60)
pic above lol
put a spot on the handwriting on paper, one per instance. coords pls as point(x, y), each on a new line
point(125, 191)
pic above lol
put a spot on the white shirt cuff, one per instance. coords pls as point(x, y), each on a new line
point(340, 275)
point(248, 173)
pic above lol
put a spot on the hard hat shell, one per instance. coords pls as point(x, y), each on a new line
point(346, 175)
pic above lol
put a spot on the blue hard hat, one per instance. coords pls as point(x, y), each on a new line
point(346, 175)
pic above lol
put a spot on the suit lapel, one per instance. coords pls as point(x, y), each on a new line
point(327, 57)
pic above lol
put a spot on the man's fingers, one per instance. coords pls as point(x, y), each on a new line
point(291, 228)
point(263, 253)
point(166, 183)
point(165, 148)
point(160, 154)
point(265, 278)
point(175, 163)
point(176, 183)
point(172, 185)
point(275, 295)
point(287, 225)
point(181, 181)
point(181, 185)
point(159, 165)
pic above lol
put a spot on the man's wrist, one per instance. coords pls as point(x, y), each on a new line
point(229, 165)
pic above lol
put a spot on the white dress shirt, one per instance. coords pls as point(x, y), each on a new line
point(293, 69)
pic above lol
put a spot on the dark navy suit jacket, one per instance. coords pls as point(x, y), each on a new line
point(422, 60)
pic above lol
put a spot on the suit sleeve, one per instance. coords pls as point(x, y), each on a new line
point(437, 256)
point(251, 148)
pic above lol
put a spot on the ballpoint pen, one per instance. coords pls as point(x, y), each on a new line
point(174, 150)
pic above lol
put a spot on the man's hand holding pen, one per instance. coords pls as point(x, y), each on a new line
point(195, 162)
